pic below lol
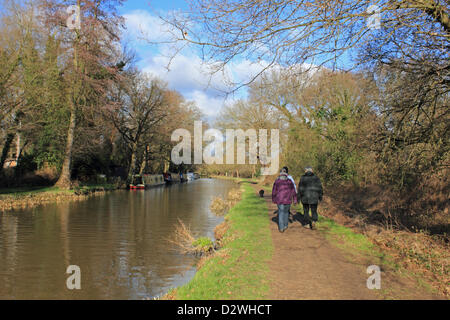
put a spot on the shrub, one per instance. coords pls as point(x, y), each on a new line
point(185, 242)
point(203, 245)
point(219, 206)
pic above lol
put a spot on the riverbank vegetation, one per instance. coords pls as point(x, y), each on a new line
point(239, 270)
point(74, 108)
point(30, 197)
point(220, 206)
point(186, 242)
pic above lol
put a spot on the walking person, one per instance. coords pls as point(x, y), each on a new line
point(310, 193)
point(283, 195)
point(293, 181)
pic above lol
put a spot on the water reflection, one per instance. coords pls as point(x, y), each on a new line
point(117, 240)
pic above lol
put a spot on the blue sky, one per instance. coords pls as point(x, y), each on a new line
point(157, 4)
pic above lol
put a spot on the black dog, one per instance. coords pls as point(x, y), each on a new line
point(261, 193)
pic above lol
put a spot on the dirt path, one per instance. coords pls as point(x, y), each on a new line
point(306, 266)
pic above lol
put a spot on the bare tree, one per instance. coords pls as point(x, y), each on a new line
point(289, 33)
point(140, 105)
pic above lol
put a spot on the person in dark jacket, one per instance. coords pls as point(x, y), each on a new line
point(283, 194)
point(310, 193)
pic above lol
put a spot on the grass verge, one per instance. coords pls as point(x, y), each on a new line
point(240, 269)
point(29, 197)
point(25, 191)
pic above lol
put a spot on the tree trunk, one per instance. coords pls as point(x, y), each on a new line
point(143, 166)
point(64, 179)
point(166, 165)
point(144, 161)
point(132, 168)
point(18, 147)
point(5, 151)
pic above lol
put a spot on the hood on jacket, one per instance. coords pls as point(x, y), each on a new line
point(283, 176)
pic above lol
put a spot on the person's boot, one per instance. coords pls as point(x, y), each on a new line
point(311, 225)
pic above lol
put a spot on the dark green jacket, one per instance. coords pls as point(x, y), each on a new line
point(310, 189)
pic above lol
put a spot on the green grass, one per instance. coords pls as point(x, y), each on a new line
point(237, 180)
point(346, 237)
point(240, 269)
point(20, 192)
point(203, 245)
point(25, 191)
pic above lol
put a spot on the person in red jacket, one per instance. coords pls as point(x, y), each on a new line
point(283, 194)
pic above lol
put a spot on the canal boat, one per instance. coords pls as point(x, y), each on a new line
point(137, 183)
point(153, 180)
point(168, 178)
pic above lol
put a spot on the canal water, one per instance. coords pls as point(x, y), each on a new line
point(119, 241)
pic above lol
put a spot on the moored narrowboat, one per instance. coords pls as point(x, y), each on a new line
point(137, 183)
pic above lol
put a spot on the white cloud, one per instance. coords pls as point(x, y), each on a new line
point(210, 105)
point(190, 76)
point(143, 26)
point(186, 72)
point(244, 71)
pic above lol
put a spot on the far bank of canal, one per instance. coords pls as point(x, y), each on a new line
point(119, 241)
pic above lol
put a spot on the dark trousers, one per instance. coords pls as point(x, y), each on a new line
point(314, 214)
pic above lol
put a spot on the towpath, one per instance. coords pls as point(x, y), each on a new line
point(305, 265)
